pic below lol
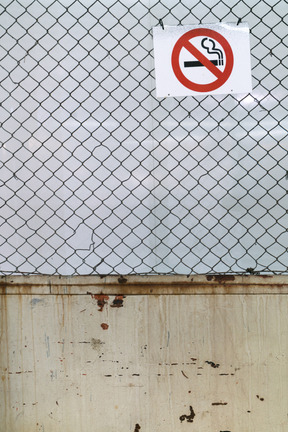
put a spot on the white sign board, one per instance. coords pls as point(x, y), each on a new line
point(202, 59)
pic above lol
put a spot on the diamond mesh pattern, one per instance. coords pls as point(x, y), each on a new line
point(98, 176)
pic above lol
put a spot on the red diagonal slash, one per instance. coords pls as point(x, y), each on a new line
point(203, 59)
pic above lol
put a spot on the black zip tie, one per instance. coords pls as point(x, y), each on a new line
point(239, 21)
point(161, 23)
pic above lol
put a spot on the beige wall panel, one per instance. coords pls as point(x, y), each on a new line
point(138, 363)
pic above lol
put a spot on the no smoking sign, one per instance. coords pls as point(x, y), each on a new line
point(199, 60)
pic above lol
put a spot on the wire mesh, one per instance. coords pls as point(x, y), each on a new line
point(98, 176)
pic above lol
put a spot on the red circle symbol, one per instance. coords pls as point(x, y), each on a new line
point(185, 42)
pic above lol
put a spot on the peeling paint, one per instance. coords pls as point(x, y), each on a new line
point(101, 300)
point(118, 301)
point(212, 364)
point(122, 280)
point(220, 278)
point(189, 418)
point(260, 398)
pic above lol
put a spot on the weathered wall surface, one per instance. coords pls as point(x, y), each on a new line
point(113, 363)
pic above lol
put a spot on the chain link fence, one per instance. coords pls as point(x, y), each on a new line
point(98, 176)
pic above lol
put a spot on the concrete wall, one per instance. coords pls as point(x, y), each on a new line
point(114, 354)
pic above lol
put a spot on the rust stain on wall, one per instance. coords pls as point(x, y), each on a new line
point(118, 301)
point(212, 364)
point(104, 326)
point(220, 278)
point(101, 300)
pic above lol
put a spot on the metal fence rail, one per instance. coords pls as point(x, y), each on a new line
point(98, 176)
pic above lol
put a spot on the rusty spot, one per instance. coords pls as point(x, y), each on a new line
point(137, 427)
point(122, 280)
point(219, 403)
point(209, 278)
point(260, 398)
point(118, 301)
point(189, 418)
point(212, 364)
point(104, 326)
point(101, 300)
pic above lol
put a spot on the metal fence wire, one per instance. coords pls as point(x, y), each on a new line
point(98, 176)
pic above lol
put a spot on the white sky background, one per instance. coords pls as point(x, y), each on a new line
point(97, 175)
